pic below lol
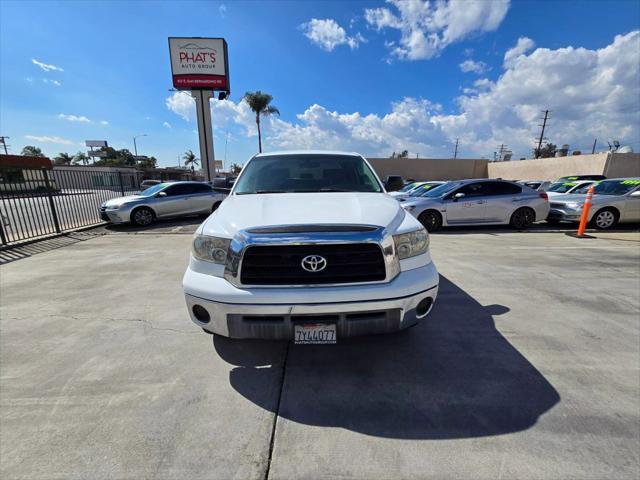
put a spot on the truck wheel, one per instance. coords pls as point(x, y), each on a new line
point(431, 219)
point(605, 218)
point(142, 216)
point(522, 218)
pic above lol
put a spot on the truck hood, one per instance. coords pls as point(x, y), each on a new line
point(240, 212)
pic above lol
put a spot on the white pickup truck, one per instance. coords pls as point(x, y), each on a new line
point(309, 247)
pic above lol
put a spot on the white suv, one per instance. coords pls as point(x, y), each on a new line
point(309, 247)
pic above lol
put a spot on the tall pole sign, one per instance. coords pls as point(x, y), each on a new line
point(201, 66)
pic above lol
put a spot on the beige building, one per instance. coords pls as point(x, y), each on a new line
point(610, 164)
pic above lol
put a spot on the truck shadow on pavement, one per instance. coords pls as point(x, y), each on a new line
point(452, 376)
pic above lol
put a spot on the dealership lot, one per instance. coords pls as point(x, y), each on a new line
point(528, 367)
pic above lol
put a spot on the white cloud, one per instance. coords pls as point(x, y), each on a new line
point(29, 79)
point(327, 34)
point(49, 139)
point(473, 66)
point(166, 124)
point(222, 10)
point(104, 122)
point(523, 46)
point(592, 93)
point(46, 67)
point(74, 118)
point(426, 28)
point(181, 103)
point(53, 82)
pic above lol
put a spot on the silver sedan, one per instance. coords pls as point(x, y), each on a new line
point(166, 200)
point(479, 202)
point(614, 201)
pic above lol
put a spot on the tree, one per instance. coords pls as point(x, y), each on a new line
point(31, 151)
point(80, 158)
point(190, 159)
point(63, 159)
point(149, 162)
point(259, 104)
point(547, 151)
point(235, 168)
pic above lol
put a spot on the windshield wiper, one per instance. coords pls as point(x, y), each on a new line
point(260, 191)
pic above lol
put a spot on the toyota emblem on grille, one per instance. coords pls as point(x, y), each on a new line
point(314, 263)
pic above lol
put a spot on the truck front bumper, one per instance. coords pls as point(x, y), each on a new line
point(271, 313)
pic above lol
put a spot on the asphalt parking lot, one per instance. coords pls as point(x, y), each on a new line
point(528, 367)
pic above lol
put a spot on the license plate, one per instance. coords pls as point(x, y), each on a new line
point(314, 333)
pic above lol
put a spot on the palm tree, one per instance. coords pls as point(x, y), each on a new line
point(259, 103)
point(63, 159)
point(82, 158)
point(32, 151)
point(190, 159)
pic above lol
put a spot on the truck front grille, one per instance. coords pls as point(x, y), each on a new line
point(282, 264)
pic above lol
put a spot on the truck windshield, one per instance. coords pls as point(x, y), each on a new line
point(306, 173)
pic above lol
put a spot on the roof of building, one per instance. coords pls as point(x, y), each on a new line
point(23, 161)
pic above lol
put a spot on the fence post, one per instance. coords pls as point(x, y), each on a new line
point(3, 237)
point(121, 183)
point(51, 202)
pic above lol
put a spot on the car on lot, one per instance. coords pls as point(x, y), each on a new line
point(614, 201)
point(421, 191)
point(165, 200)
point(408, 188)
point(540, 185)
point(393, 183)
point(148, 183)
point(479, 202)
point(309, 247)
point(564, 188)
point(573, 178)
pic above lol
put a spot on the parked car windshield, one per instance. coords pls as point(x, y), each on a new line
point(409, 186)
point(561, 187)
point(153, 190)
point(422, 190)
point(306, 173)
point(615, 187)
point(441, 190)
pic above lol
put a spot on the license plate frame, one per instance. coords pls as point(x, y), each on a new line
point(315, 333)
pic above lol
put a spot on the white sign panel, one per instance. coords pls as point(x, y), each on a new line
point(95, 143)
point(199, 63)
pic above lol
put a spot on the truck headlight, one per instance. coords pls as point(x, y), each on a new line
point(412, 243)
point(210, 249)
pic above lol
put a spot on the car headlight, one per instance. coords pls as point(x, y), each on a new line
point(210, 249)
point(114, 207)
point(412, 243)
point(409, 208)
point(574, 205)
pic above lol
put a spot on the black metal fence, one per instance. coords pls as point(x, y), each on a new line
point(35, 202)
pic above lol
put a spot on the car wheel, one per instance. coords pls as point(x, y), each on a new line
point(605, 219)
point(522, 218)
point(431, 220)
point(142, 216)
point(215, 206)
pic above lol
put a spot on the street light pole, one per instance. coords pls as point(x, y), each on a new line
point(135, 146)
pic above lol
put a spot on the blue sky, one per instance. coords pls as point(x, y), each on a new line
point(344, 80)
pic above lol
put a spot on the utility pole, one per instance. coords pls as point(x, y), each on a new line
point(3, 140)
point(593, 150)
point(501, 151)
point(544, 124)
point(455, 152)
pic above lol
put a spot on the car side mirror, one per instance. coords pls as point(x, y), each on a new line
point(458, 196)
point(161, 194)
